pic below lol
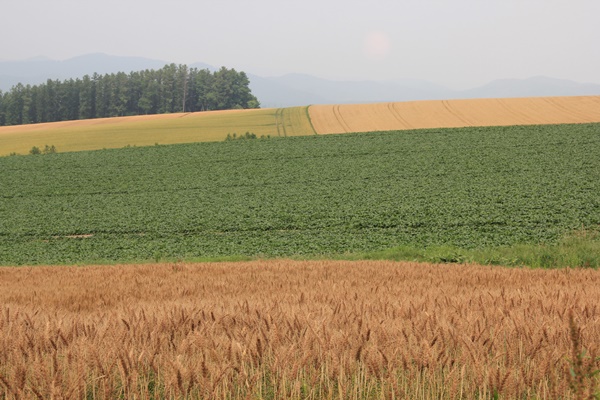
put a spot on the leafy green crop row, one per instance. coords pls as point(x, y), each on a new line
point(469, 188)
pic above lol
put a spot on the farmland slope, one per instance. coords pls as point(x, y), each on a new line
point(454, 113)
point(312, 195)
point(148, 130)
point(296, 121)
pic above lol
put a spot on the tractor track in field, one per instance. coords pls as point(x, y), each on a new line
point(524, 118)
point(391, 107)
point(280, 123)
point(566, 110)
point(457, 114)
point(340, 119)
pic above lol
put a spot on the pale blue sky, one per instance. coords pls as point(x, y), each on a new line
point(458, 43)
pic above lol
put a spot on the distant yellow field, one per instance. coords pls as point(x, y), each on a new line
point(151, 129)
point(454, 113)
point(297, 121)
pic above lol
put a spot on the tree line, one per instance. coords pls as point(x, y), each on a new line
point(174, 88)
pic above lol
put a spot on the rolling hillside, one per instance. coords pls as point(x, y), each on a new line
point(297, 121)
point(468, 188)
point(148, 130)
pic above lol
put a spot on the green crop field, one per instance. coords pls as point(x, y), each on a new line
point(148, 130)
point(468, 188)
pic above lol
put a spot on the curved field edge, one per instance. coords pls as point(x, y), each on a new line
point(346, 118)
point(298, 329)
point(148, 130)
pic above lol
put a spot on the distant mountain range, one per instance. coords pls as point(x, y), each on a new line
point(295, 89)
point(39, 69)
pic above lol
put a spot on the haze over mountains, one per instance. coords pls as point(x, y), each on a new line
point(296, 89)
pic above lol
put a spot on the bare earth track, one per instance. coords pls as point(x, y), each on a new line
point(347, 118)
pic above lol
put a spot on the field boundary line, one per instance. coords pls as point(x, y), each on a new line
point(310, 119)
point(283, 122)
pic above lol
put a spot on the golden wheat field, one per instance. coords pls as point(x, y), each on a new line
point(147, 130)
point(454, 113)
point(285, 329)
point(296, 121)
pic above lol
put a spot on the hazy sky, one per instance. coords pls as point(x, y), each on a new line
point(458, 43)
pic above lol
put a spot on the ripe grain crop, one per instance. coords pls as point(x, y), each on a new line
point(454, 113)
point(298, 329)
point(147, 130)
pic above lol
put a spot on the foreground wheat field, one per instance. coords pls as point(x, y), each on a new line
point(285, 329)
point(454, 113)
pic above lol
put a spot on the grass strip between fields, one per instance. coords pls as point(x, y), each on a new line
point(580, 250)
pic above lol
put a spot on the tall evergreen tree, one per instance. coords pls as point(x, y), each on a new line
point(2, 102)
point(87, 98)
